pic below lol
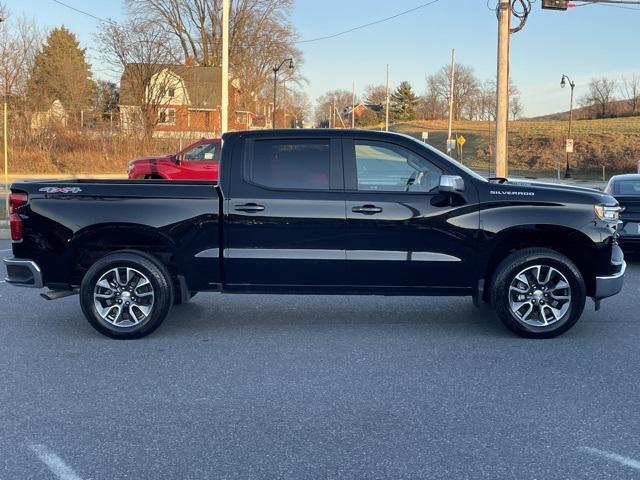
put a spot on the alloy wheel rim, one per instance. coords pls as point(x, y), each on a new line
point(123, 297)
point(539, 296)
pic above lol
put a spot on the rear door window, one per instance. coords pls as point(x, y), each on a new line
point(290, 164)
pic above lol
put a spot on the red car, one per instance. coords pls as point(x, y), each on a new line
point(198, 161)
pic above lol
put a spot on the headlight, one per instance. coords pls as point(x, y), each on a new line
point(607, 213)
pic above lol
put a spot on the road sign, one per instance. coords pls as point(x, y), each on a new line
point(425, 136)
point(461, 140)
point(381, 125)
point(569, 147)
point(451, 145)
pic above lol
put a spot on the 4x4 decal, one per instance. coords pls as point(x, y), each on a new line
point(60, 189)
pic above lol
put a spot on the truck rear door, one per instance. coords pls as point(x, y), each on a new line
point(285, 214)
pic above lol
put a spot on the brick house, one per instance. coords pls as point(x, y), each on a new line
point(186, 100)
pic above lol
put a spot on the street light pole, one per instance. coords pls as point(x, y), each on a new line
point(275, 87)
point(563, 82)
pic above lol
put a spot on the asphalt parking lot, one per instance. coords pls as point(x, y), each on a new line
point(308, 387)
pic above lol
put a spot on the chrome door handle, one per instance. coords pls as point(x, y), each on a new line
point(249, 207)
point(367, 209)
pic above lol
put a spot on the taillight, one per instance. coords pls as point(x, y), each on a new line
point(16, 200)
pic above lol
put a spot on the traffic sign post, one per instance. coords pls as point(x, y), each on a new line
point(460, 140)
point(425, 136)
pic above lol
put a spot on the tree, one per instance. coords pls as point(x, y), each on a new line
point(106, 97)
point(465, 89)
point(60, 71)
point(144, 50)
point(600, 95)
point(325, 103)
point(299, 105)
point(19, 42)
point(260, 36)
point(376, 95)
point(631, 92)
point(515, 106)
point(403, 102)
point(486, 100)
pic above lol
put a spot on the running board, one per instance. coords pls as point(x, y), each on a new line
point(56, 294)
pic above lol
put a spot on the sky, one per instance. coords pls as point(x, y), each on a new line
point(584, 42)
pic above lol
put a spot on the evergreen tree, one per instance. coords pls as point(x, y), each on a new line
point(60, 72)
point(404, 102)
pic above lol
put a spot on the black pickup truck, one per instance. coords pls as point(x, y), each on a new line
point(318, 212)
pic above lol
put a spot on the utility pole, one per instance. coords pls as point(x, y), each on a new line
point(224, 108)
point(353, 106)
point(386, 112)
point(453, 75)
point(5, 139)
point(502, 100)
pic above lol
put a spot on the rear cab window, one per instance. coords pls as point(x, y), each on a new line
point(290, 164)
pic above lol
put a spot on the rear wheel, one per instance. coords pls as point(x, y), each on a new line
point(126, 295)
point(538, 293)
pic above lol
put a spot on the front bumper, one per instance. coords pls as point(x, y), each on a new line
point(23, 273)
point(607, 286)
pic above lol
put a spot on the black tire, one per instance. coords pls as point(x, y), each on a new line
point(518, 262)
point(159, 280)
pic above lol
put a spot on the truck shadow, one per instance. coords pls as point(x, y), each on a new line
point(211, 312)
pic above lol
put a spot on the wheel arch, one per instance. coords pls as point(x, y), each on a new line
point(572, 243)
point(89, 245)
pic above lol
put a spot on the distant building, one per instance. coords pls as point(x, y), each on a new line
point(185, 101)
point(55, 115)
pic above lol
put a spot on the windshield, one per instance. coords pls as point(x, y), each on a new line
point(625, 187)
point(444, 156)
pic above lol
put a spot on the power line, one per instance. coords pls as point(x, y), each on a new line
point(104, 20)
point(359, 27)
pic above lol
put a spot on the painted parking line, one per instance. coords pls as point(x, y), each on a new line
point(6, 250)
point(621, 459)
point(54, 463)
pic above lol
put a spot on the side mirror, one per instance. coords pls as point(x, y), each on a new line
point(176, 159)
point(451, 184)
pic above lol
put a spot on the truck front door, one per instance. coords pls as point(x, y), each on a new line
point(285, 219)
point(403, 233)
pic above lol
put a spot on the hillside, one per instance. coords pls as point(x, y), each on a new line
point(539, 145)
point(620, 107)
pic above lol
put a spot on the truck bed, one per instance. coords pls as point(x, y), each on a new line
point(67, 223)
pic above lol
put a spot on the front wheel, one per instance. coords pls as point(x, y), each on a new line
point(538, 293)
point(126, 294)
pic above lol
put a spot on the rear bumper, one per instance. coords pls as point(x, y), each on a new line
point(607, 286)
point(23, 273)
